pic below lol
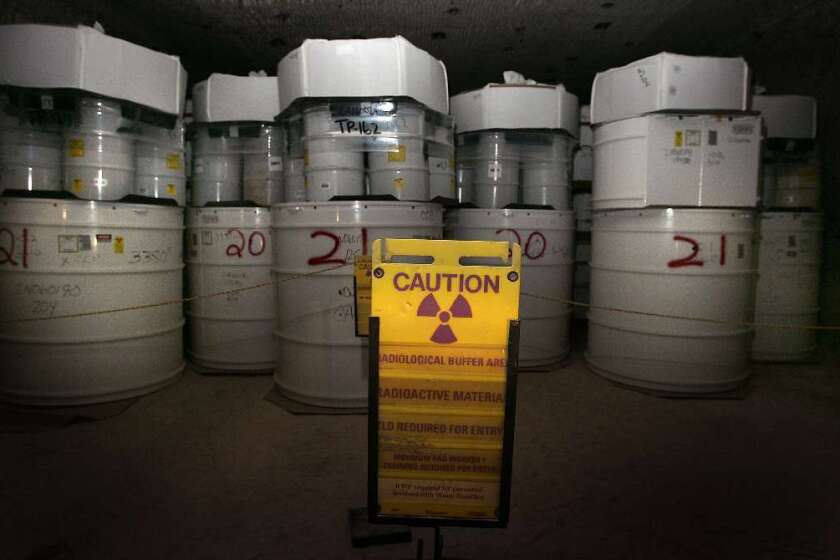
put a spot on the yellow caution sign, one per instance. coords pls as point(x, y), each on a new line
point(444, 337)
point(361, 282)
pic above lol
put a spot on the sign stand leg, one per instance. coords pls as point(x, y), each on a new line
point(438, 544)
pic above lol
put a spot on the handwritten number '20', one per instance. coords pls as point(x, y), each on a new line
point(255, 246)
point(531, 252)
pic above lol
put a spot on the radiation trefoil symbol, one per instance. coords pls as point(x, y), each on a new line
point(443, 333)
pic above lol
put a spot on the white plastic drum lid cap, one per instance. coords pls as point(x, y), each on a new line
point(382, 67)
point(517, 106)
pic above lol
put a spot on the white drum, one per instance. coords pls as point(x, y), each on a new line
point(797, 186)
point(320, 360)
point(160, 172)
point(217, 166)
point(407, 154)
point(333, 167)
point(227, 249)
point(262, 165)
point(294, 180)
point(30, 159)
point(687, 263)
point(789, 258)
point(556, 197)
point(402, 184)
point(99, 114)
point(324, 184)
point(207, 190)
point(442, 177)
point(494, 168)
point(545, 163)
point(401, 171)
point(547, 241)
point(494, 196)
point(98, 165)
point(464, 182)
point(98, 159)
point(62, 258)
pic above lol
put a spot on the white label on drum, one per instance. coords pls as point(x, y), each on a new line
point(494, 170)
point(68, 244)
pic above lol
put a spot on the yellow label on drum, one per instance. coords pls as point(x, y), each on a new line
point(76, 147)
point(173, 161)
point(119, 245)
point(397, 155)
point(77, 185)
point(399, 183)
point(171, 189)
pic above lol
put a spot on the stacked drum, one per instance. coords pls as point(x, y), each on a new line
point(237, 175)
point(30, 151)
point(90, 273)
point(363, 168)
point(99, 152)
point(160, 163)
point(791, 230)
point(672, 259)
point(514, 163)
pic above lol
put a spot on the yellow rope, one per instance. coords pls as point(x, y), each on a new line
point(181, 301)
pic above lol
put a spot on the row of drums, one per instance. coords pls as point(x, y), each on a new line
point(100, 156)
point(499, 168)
point(92, 292)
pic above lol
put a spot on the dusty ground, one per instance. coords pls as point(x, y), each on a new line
point(208, 469)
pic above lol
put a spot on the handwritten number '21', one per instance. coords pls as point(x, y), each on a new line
point(7, 253)
point(691, 259)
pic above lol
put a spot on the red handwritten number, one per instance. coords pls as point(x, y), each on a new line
point(514, 232)
point(237, 250)
point(535, 237)
point(234, 250)
point(261, 237)
point(326, 258)
point(539, 236)
point(722, 249)
point(7, 254)
point(690, 260)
